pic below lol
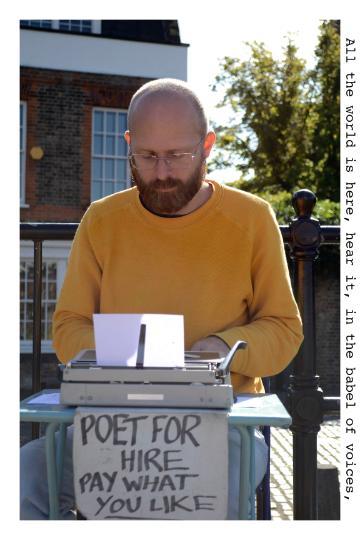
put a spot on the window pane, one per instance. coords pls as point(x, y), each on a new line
point(122, 122)
point(22, 311)
point(29, 311)
point(50, 311)
point(30, 271)
point(22, 290)
point(43, 331)
point(87, 25)
point(110, 122)
point(52, 291)
point(28, 330)
point(52, 270)
point(110, 146)
point(109, 169)
point(97, 169)
point(120, 186)
point(108, 188)
point(30, 290)
point(98, 144)
point(96, 190)
point(98, 121)
point(121, 147)
point(121, 169)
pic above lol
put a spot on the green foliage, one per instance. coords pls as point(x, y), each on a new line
point(325, 211)
point(284, 134)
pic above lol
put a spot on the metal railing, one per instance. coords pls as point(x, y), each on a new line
point(305, 399)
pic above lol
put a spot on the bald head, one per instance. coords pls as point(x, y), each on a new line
point(164, 96)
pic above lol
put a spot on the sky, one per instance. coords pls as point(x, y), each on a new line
point(203, 59)
point(232, 33)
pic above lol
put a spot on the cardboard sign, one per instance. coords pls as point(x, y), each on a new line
point(158, 465)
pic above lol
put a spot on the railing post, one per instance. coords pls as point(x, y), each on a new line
point(36, 374)
point(305, 398)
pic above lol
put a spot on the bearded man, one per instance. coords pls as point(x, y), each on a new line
point(182, 244)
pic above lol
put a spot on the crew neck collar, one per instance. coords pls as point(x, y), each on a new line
point(179, 221)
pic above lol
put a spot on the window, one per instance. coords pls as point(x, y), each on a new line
point(22, 151)
point(37, 24)
point(55, 255)
point(49, 295)
point(109, 171)
point(86, 26)
point(76, 26)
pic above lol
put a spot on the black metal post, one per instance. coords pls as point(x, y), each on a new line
point(305, 398)
point(36, 374)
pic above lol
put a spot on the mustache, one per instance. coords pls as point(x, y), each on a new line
point(164, 184)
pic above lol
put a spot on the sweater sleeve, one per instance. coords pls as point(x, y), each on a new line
point(274, 330)
point(79, 297)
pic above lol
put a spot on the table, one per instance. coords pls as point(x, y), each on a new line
point(249, 411)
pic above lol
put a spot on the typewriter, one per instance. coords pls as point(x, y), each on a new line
point(203, 382)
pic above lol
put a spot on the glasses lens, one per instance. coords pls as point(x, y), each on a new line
point(179, 161)
point(144, 162)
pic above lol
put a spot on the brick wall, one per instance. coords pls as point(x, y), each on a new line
point(59, 117)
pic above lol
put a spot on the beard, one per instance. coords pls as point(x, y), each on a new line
point(158, 201)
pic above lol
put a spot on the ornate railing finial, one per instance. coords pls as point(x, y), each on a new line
point(303, 202)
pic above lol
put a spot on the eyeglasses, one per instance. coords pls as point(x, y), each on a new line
point(178, 160)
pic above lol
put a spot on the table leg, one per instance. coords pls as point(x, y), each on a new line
point(251, 430)
point(52, 471)
point(60, 452)
point(245, 465)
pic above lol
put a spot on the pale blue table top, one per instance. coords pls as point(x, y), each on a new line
point(249, 410)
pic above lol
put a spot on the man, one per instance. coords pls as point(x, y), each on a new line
point(178, 243)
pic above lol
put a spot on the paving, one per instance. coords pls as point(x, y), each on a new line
point(281, 469)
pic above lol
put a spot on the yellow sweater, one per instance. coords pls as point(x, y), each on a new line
point(222, 267)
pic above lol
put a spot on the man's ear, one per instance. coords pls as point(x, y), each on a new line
point(127, 137)
point(209, 143)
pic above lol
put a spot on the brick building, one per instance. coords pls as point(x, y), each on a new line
point(76, 82)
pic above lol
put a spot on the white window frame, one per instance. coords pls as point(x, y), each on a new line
point(53, 251)
point(23, 153)
point(103, 156)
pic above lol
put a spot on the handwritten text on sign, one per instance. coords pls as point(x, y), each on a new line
point(164, 465)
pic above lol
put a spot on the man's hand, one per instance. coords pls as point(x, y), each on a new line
point(211, 344)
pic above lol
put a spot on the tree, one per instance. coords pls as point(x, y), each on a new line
point(281, 136)
point(326, 136)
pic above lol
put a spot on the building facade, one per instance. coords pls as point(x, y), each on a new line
point(76, 82)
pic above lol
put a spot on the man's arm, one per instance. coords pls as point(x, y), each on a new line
point(274, 330)
point(79, 297)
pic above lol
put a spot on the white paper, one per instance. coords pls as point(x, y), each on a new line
point(117, 339)
point(51, 398)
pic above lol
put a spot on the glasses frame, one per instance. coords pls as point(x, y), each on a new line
point(170, 166)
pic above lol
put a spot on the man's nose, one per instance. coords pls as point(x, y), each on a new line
point(162, 169)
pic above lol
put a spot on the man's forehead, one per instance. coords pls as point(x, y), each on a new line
point(163, 103)
point(164, 118)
